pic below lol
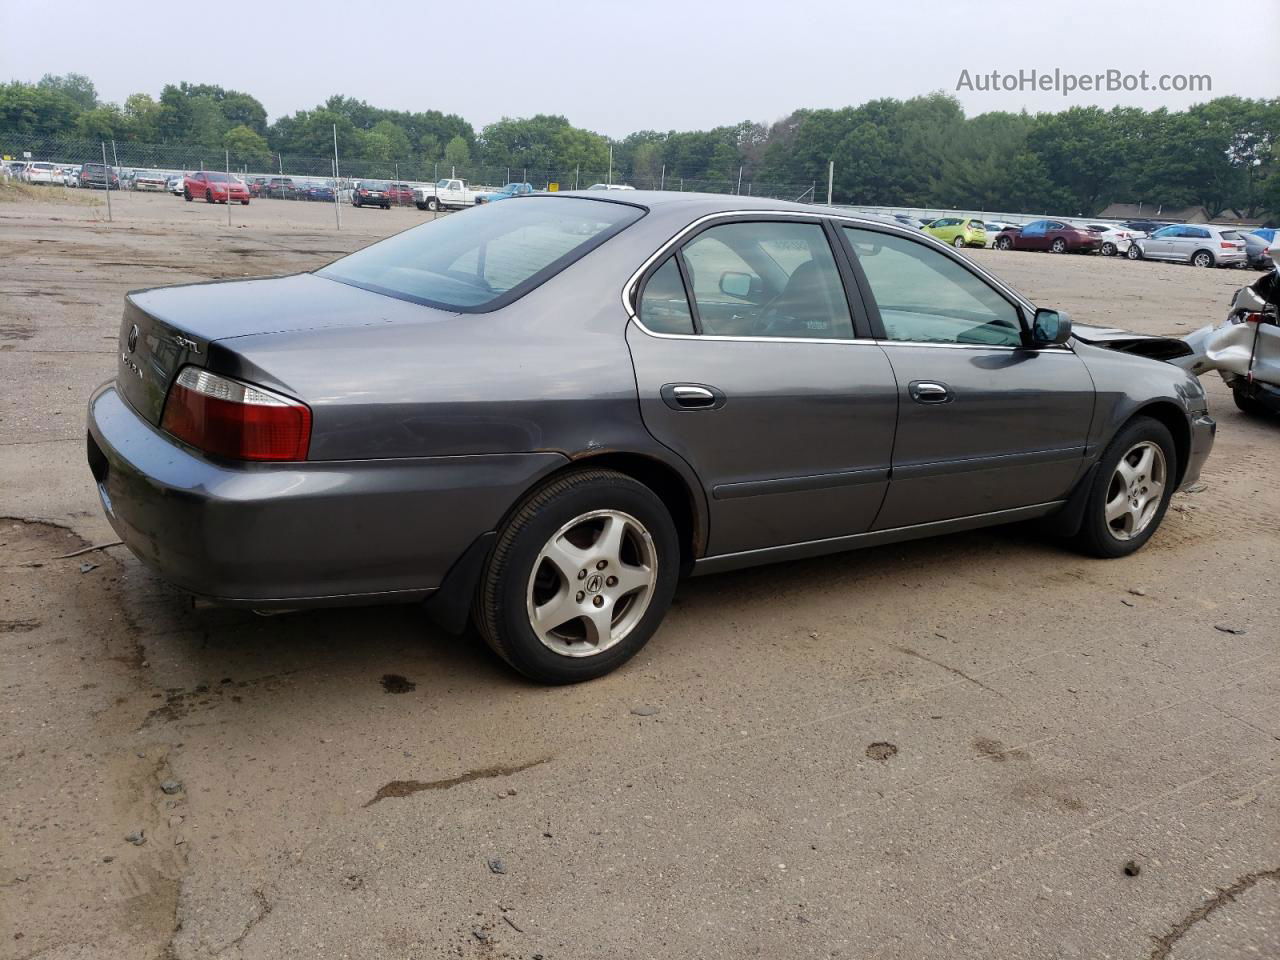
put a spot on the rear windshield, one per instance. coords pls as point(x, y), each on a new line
point(486, 257)
point(373, 185)
point(1232, 235)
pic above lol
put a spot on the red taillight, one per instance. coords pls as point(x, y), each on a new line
point(228, 418)
point(1226, 245)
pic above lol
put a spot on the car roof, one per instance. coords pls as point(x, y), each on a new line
point(700, 204)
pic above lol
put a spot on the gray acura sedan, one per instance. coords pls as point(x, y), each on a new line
point(538, 415)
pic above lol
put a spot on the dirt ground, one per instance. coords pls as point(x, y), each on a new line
point(950, 748)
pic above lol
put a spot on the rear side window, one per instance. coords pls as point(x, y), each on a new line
point(926, 297)
point(1199, 233)
point(486, 257)
point(767, 279)
point(664, 308)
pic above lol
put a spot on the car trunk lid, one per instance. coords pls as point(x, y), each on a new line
point(167, 328)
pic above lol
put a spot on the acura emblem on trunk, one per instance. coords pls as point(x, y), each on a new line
point(133, 337)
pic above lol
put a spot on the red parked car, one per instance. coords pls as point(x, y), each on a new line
point(1052, 235)
point(214, 187)
point(400, 193)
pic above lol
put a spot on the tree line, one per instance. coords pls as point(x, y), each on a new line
point(1223, 155)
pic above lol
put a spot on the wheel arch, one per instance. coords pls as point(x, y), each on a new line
point(1171, 415)
point(671, 487)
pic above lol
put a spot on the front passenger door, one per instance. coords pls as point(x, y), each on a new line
point(1034, 236)
point(985, 424)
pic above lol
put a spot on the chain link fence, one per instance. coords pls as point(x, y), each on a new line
point(302, 173)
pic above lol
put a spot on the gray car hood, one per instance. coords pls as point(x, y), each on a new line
point(1126, 341)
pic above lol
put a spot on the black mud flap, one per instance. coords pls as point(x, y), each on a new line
point(1066, 522)
point(449, 608)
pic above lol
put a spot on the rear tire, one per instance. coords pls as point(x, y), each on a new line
point(1058, 246)
point(1202, 259)
point(1108, 249)
point(958, 242)
point(1124, 508)
point(554, 556)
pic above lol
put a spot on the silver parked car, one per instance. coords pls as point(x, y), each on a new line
point(543, 413)
point(1200, 244)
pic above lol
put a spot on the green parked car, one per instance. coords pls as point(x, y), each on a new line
point(959, 231)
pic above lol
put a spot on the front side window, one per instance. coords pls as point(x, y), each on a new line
point(664, 308)
point(767, 279)
point(1165, 232)
point(491, 256)
point(926, 297)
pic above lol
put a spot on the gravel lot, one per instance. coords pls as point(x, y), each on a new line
point(949, 748)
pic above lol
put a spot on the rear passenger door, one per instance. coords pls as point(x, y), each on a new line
point(751, 366)
point(985, 424)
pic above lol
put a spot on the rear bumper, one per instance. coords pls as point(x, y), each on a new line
point(292, 535)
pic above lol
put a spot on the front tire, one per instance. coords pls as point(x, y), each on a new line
point(1003, 243)
point(1130, 490)
point(1134, 252)
point(433, 204)
point(1245, 403)
point(186, 195)
point(580, 577)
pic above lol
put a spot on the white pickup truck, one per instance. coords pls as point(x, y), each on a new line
point(447, 194)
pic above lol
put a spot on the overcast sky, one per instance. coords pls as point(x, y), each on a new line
point(619, 67)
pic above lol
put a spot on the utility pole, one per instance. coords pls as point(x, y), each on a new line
point(831, 176)
point(739, 181)
point(227, 164)
point(663, 181)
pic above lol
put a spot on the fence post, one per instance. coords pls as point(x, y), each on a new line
point(228, 166)
point(575, 175)
point(106, 173)
point(831, 176)
point(337, 207)
point(662, 184)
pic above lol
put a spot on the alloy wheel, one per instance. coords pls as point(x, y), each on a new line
point(592, 583)
point(1059, 246)
point(1136, 490)
point(1203, 260)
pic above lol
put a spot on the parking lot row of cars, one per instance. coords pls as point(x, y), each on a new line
point(1199, 244)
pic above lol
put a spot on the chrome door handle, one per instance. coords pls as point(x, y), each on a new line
point(930, 391)
point(692, 396)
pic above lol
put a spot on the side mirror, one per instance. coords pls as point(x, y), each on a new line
point(1050, 328)
point(740, 285)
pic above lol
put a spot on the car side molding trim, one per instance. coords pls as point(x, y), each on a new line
point(817, 548)
point(817, 481)
point(942, 468)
